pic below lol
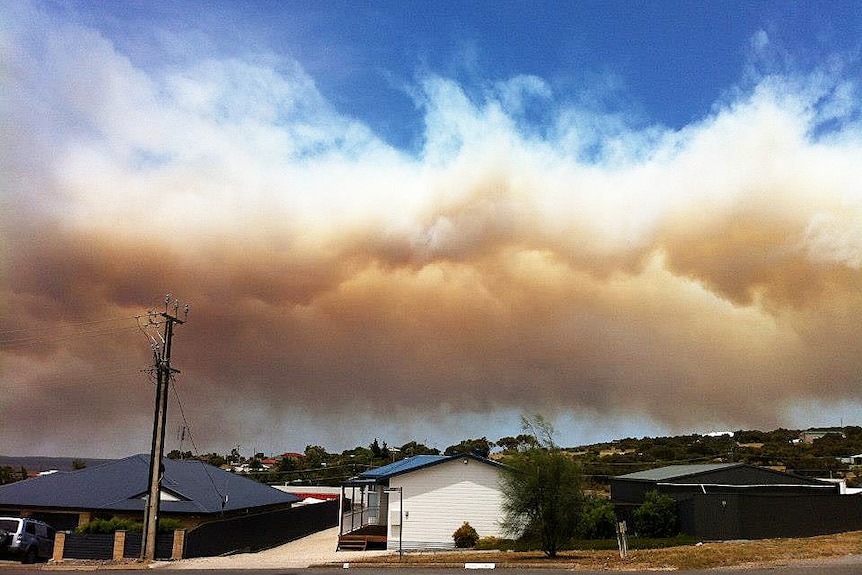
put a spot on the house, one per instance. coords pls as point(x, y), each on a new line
point(739, 501)
point(809, 436)
point(311, 493)
point(192, 492)
point(852, 459)
point(419, 502)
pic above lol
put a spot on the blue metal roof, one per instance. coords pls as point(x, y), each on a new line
point(382, 474)
point(121, 484)
point(404, 466)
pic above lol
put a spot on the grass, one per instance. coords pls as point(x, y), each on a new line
point(700, 556)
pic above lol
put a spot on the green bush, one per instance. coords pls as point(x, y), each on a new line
point(597, 519)
point(110, 526)
point(113, 524)
point(465, 536)
point(656, 517)
point(489, 543)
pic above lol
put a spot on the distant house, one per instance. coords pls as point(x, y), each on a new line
point(192, 491)
point(292, 455)
point(851, 459)
point(739, 501)
point(311, 493)
point(419, 502)
point(809, 436)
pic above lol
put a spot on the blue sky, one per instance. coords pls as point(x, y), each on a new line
point(653, 62)
point(419, 220)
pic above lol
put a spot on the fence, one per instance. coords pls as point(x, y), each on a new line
point(245, 533)
point(114, 546)
point(260, 531)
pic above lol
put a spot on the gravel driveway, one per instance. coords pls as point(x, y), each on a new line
point(312, 550)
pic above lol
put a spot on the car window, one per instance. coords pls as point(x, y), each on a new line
point(10, 524)
point(41, 530)
point(30, 528)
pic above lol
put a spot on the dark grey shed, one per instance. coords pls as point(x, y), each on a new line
point(683, 481)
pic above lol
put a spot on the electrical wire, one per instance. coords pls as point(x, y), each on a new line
point(222, 496)
point(5, 332)
point(32, 340)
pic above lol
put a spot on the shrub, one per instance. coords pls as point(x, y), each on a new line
point(656, 517)
point(490, 543)
point(124, 524)
point(597, 519)
point(465, 536)
point(110, 525)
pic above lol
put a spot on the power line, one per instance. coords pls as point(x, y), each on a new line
point(222, 496)
point(5, 332)
point(52, 335)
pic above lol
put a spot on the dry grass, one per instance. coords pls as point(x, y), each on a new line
point(701, 556)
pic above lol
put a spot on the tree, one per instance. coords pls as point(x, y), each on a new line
point(315, 456)
point(542, 494)
point(288, 464)
point(8, 475)
point(376, 452)
point(213, 459)
point(481, 447)
point(520, 443)
point(657, 516)
point(412, 448)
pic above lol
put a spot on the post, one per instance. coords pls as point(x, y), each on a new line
point(400, 491)
point(164, 372)
point(59, 546)
point(119, 545)
point(179, 544)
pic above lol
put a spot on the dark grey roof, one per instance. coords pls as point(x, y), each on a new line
point(677, 471)
point(410, 464)
point(732, 473)
point(121, 484)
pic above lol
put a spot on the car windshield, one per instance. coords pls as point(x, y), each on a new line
point(10, 524)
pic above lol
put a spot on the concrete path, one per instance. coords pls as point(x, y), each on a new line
point(312, 550)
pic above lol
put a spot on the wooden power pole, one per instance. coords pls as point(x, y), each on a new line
point(164, 371)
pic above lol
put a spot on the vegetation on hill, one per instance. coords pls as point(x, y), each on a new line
point(780, 449)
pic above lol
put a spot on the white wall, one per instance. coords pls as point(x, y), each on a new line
point(440, 498)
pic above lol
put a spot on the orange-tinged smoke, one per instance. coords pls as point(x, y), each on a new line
point(710, 277)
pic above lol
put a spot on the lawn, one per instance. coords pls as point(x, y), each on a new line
point(697, 556)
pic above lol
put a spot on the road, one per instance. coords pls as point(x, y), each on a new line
point(850, 566)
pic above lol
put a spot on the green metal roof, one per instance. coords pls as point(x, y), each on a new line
point(676, 471)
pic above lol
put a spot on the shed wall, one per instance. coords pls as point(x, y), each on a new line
point(755, 516)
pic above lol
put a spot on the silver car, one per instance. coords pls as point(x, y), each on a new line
point(26, 539)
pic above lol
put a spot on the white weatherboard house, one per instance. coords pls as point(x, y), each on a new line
point(419, 502)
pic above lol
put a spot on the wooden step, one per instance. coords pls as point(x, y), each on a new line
point(352, 543)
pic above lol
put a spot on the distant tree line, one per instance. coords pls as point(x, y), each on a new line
point(780, 448)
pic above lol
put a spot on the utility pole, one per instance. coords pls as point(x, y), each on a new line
point(164, 371)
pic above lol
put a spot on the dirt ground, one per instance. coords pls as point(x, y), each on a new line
point(319, 549)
